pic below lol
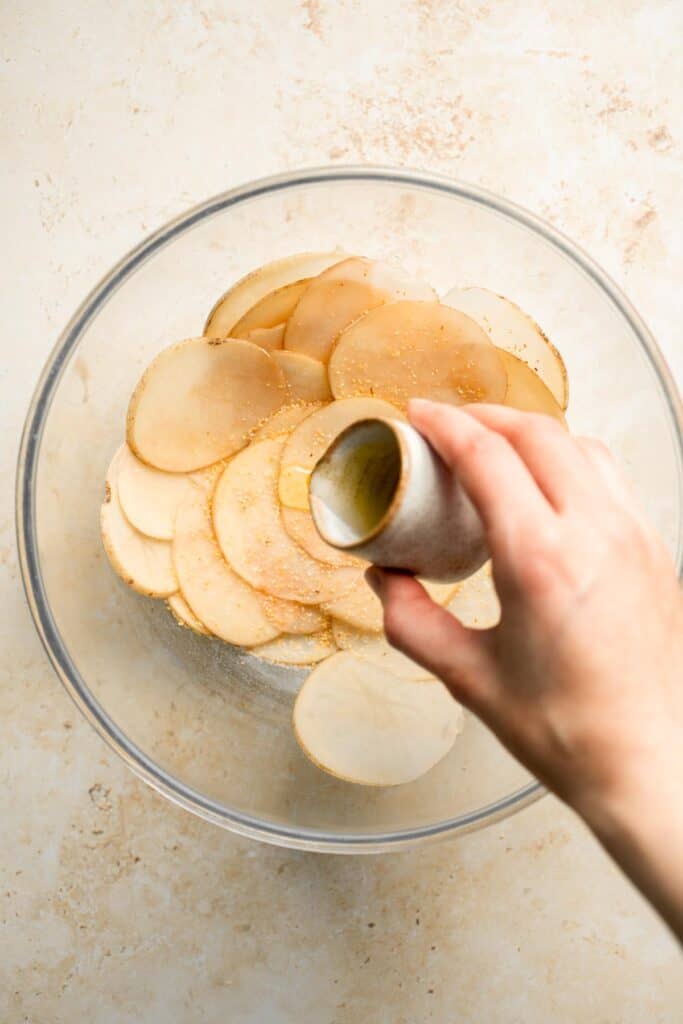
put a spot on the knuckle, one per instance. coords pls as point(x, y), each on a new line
point(546, 541)
point(634, 538)
point(601, 448)
point(480, 445)
point(535, 426)
point(540, 558)
point(626, 533)
point(536, 573)
point(592, 446)
point(522, 429)
point(550, 429)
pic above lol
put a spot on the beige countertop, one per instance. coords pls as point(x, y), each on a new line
point(116, 906)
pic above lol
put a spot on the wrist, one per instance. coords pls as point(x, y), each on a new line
point(643, 787)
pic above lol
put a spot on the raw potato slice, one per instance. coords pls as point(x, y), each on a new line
point(268, 338)
point(307, 378)
point(441, 593)
point(249, 290)
point(286, 616)
point(292, 617)
point(316, 432)
point(340, 295)
point(511, 329)
point(150, 498)
point(198, 400)
point(304, 447)
point(144, 563)
point(224, 603)
point(184, 616)
point(408, 350)
point(362, 724)
point(284, 420)
point(475, 602)
point(376, 649)
point(526, 390)
point(250, 532)
point(274, 308)
point(361, 607)
point(296, 650)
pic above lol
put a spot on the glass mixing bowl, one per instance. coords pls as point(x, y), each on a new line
point(206, 725)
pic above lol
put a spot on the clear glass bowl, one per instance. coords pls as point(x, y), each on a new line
point(207, 726)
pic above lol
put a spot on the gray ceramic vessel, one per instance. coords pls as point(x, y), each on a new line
point(381, 491)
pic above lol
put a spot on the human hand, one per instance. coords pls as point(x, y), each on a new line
point(583, 677)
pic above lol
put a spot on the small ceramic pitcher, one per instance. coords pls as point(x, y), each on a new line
point(381, 491)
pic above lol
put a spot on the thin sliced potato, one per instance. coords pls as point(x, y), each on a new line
point(304, 447)
point(406, 350)
point(250, 532)
point(184, 616)
point(309, 440)
point(285, 420)
point(362, 724)
point(526, 390)
point(307, 378)
point(378, 651)
point(292, 617)
point(274, 308)
point(340, 295)
point(441, 593)
point(361, 608)
point(144, 563)
point(268, 338)
point(226, 605)
point(286, 616)
point(475, 602)
point(198, 401)
point(510, 328)
point(297, 650)
point(249, 290)
point(150, 498)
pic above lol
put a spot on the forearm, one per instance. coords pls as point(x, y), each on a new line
point(642, 828)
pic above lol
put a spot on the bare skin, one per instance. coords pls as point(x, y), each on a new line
point(582, 679)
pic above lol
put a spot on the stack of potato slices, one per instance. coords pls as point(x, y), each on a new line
point(206, 502)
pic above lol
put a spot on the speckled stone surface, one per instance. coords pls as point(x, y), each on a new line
point(116, 906)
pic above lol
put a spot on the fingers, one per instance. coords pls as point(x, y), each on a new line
point(432, 637)
point(548, 450)
point(501, 487)
point(609, 471)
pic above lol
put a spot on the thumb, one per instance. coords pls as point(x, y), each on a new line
point(433, 637)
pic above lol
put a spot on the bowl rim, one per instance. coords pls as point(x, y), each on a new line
point(144, 767)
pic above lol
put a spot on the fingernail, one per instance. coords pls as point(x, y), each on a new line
point(373, 577)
